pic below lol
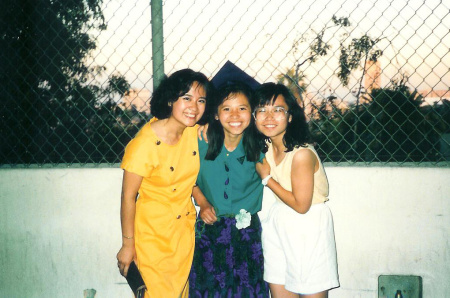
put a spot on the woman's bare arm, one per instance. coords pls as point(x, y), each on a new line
point(130, 187)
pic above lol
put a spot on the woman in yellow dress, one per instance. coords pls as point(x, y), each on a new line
point(160, 169)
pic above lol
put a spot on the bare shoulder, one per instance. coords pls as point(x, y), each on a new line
point(305, 157)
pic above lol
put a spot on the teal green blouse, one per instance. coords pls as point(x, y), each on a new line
point(230, 182)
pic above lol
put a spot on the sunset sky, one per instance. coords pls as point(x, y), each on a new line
point(258, 36)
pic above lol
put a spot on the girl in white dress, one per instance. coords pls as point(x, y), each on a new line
point(298, 235)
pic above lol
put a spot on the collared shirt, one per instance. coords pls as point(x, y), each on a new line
point(230, 182)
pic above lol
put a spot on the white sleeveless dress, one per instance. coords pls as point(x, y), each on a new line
point(299, 249)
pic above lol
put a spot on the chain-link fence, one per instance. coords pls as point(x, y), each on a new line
point(372, 76)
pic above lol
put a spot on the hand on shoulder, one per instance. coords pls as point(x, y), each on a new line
point(262, 168)
point(201, 132)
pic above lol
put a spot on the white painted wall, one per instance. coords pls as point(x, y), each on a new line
point(60, 231)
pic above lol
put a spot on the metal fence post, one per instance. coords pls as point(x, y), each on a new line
point(157, 42)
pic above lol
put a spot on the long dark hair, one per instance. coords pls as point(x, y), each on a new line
point(176, 85)
point(215, 132)
point(297, 131)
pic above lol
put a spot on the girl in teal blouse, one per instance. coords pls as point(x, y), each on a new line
point(228, 260)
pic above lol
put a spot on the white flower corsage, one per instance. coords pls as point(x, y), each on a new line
point(243, 219)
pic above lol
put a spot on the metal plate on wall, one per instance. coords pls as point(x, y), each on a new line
point(409, 285)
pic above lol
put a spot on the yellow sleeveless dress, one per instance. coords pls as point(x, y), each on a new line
point(165, 215)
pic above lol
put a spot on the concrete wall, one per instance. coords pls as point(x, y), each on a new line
point(60, 230)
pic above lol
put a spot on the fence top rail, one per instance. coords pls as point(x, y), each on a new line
point(441, 164)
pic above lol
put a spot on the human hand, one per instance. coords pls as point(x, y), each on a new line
point(125, 256)
point(201, 131)
point(263, 168)
point(208, 214)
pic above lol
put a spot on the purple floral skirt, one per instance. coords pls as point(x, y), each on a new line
point(228, 262)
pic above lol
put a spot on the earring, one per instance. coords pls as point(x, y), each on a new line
point(169, 104)
point(217, 117)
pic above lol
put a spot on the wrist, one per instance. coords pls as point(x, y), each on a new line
point(204, 205)
point(266, 180)
point(127, 240)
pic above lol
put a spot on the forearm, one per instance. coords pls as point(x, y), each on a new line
point(199, 197)
point(299, 205)
point(127, 216)
point(207, 212)
point(130, 188)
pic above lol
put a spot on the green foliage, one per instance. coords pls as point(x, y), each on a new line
point(331, 128)
point(295, 82)
point(439, 115)
point(394, 126)
point(318, 47)
point(351, 56)
point(55, 110)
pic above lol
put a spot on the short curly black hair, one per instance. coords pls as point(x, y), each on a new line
point(174, 86)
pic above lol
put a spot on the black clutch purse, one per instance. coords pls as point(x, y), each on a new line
point(135, 281)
